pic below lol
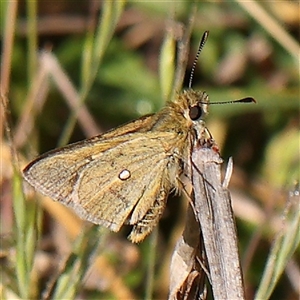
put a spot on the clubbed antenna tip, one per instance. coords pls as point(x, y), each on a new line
point(202, 43)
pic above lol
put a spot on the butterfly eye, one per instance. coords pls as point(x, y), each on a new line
point(195, 112)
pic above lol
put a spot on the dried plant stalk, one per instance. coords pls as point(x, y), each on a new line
point(214, 213)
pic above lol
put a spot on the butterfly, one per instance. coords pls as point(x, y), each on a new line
point(124, 176)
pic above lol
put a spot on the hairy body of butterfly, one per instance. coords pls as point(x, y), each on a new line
point(126, 174)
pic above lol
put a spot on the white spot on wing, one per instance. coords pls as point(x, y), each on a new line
point(124, 174)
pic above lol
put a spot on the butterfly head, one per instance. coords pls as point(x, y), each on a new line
point(193, 105)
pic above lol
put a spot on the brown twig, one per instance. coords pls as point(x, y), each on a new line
point(214, 214)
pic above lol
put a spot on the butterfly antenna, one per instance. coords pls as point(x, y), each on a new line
point(203, 40)
point(243, 100)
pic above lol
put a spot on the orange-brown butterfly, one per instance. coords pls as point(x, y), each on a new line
point(126, 174)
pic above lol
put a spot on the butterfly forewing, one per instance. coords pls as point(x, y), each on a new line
point(107, 184)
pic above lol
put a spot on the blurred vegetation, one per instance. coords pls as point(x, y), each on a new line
point(119, 58)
